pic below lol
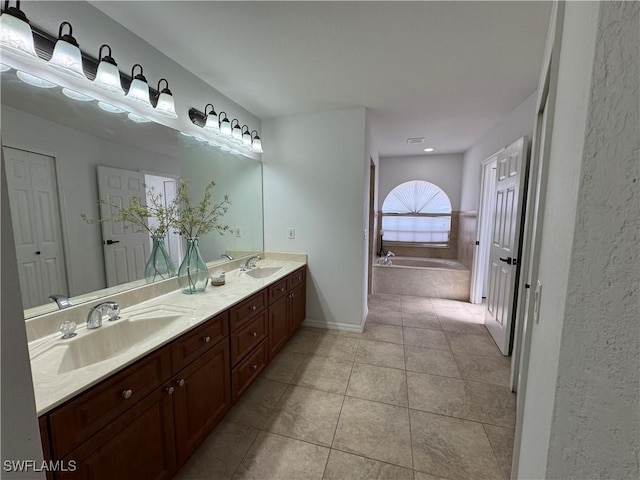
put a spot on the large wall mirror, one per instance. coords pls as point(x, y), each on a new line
point(58, 150)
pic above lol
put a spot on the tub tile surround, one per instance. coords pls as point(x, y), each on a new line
point(392, 410)
point(53, 386)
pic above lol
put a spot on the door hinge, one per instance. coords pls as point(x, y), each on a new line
point(477, 242)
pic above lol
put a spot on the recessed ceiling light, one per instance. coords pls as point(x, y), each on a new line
point(429, 149)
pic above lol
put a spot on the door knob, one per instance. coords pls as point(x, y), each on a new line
point(38, 252)
point(508, 260)
point(111, 242)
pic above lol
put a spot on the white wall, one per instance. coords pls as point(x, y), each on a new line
point(595, 431)
point(576, 61)
point(513, 126)
point(314, 181)
point(444, 171)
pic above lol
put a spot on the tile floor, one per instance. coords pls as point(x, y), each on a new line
point(421, 394)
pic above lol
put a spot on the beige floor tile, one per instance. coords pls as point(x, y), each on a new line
point(255, 406)
point(382, 333)
point(383, 354)
point(220, 454)
point(274, 457)
point(346, 466)
point(374, 430)
point(418, 307)
point(302, 341)
point(424, 476)
point(284, 366)
point(335, 346)
point(442, 395)
point(501, 440)
point(422, 337)
point(384, 298)
point(495, 404)
point(380, 384)
point(390, 317)
point(450, 324)
point(421, 320)
point(486, 369)
point(430, 360)
point(462, 343)
point(459, 312)
point(306, 414)
point(324, 373)
point(451, 448)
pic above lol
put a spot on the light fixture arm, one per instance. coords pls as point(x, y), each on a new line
point(67, 37)
point(139, 76)
point(213, 110)
point(15, 11)
point(166, 89)
point(107, 58)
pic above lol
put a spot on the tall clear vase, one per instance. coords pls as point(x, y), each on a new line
point(159, 265)
point(193, 273)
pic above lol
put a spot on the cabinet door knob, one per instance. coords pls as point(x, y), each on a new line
point(253, 307)
point(254, 334)
point(180, 382)
point(127, 393)
point(282, 289)
point(293, 295)
point(206, 339)
point(170, 390)
point(254, 367)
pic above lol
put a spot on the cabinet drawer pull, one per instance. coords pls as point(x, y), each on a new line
point(206, 339)
point(253, 307)
point(254, 367)
point(293, 295)
point(282, 289)
point(254, 334)
point(170, 390)
point(180, 382)
point(127, 393)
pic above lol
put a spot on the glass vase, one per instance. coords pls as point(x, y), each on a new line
point(193, 273)
point(159, 266)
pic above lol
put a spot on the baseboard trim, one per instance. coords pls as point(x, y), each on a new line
point(343, 327)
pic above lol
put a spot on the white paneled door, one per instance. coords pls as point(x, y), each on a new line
point(35, 214)
point(505, 242)
point(126, 246)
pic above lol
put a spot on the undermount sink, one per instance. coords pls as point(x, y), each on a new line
point(111, 339)
point(263, 272)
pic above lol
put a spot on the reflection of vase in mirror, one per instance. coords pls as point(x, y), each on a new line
point(159, 266)
point(193, 273)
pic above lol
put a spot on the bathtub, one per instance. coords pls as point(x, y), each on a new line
point(423, 277)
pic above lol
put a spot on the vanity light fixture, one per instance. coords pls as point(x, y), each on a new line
point(108, 75)
point(67, 57)
point(236, 131)
point(165, 106)
point(246, 136)
point(15, 32)
point(211, 123)
point(34, 81)
point(256, 143)
point(134, 117)
point(81, 97)
point(225, 125)
point(107, 107)
point(139, 89)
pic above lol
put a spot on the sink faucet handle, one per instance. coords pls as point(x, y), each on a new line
point(114, 311)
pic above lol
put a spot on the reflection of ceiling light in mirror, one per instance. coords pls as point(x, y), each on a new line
point(185, 134)
point(81, 97)
point(134, 117)
point(4, 68)
point(107, 107)
point(34, 81)
point(225, 148)
point(66, 56)
point(15, 33)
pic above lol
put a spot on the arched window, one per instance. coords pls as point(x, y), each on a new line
point(417, 212)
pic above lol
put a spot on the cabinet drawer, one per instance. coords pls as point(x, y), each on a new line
point(296, 278)
point(278, 290)
point(244, 374)
point(193, 344)
point(83, 416)
point(247, 337)
point(242, 312)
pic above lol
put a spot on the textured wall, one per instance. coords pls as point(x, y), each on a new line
point(595, 430)
point(468, 225)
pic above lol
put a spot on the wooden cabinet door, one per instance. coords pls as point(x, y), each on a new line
point(278, 326)
point(138, 445)
point(297, 307)
point(202, 397)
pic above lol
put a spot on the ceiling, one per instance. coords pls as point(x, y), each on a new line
point(446, 71)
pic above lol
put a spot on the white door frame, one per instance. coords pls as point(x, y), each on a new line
point(540, 147)
point(483, 234)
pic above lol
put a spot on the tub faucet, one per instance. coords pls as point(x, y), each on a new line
point(94, 319)
point(251, 262)
point(387, 258)
point(227, 256)
point(61, 300)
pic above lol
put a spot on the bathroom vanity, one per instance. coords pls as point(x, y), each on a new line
point(144, 418)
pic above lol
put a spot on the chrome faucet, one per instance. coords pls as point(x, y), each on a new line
point(227, 256)
point(61, 300)
point(94, 319)
point(387, 258)
point(251, 262)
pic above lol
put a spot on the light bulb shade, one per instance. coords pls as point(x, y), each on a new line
point(246, 138)
point(236, 133)
point(139, 92)
point(212, 124)
point(67, 57)
point(256, 144)
point(166, 106)
point(225, 127)
point(16, 36)
point(108, 78)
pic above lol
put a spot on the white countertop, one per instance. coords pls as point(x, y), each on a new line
point(53, 385)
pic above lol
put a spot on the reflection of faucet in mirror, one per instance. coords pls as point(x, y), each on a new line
point(61, 300)
point(251, 262)
point(227, 256)
point(94, 319)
